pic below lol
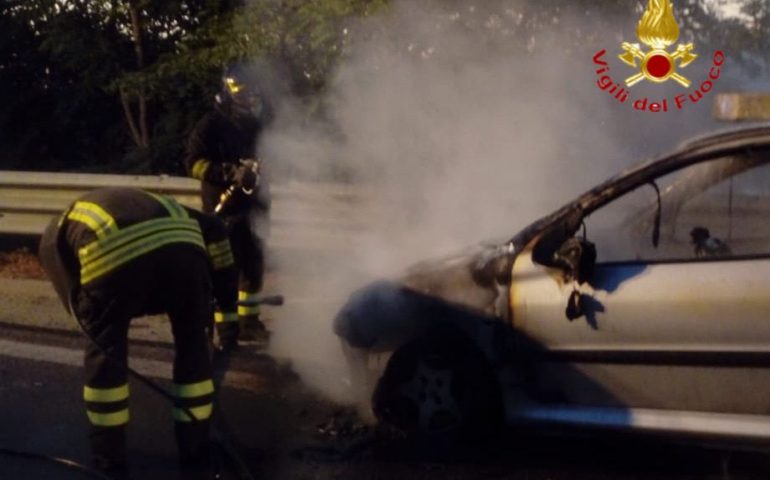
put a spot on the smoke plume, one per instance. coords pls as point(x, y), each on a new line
point(451, 133)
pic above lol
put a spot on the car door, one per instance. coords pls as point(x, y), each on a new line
point(674, 327)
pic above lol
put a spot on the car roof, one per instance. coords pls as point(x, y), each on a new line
point(758, 134)
point(690, 152)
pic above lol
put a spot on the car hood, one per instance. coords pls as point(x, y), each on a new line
point(471, 284)
point(474, 278)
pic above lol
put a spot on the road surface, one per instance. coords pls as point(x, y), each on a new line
point(285, 430)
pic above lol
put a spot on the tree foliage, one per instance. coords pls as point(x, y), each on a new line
point(114, 85)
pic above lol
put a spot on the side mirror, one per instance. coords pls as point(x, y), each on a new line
point(577, 257)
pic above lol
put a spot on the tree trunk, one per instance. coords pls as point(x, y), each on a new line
point(135, 134)
point(138, 126)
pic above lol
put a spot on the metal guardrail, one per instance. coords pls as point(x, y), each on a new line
point(28, 200)
point(329, 214)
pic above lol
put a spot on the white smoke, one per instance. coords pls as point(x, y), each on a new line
point(453, 138)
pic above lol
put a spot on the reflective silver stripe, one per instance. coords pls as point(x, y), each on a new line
point(220, 317)
point(172, 207)
point(94, 249)
point(248, 310)
point(220, 253)
point(218, 248)
point(192, 390)
point(93, 270)
point(108, 419)
point(94, 217)
point(200, 413)
point(248, 297)
point(222, 261)
point(199, 169)
point(116, 394)
point(101, 256)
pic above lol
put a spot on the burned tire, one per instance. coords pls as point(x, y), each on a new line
point(440, 385)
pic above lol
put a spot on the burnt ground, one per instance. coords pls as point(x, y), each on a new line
point(286, 431)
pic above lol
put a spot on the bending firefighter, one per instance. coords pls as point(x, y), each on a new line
point(221, 152)
point(120, 253)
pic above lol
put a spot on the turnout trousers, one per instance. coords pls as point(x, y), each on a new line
point(248, 252)
point(173, 279)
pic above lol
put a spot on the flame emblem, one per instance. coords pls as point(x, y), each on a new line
point(658, 30)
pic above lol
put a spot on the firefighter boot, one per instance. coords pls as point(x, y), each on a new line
point(252, 329)
point(227, 332)
point(108, 450)
point(194, 445)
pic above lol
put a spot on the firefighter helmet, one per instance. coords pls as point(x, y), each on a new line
point(241, 91)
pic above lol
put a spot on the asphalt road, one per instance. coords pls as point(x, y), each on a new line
point(286, 432)
point(40, 391)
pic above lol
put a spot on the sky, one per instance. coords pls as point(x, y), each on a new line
point(728, 8)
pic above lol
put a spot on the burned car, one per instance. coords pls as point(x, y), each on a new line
point(643, 305)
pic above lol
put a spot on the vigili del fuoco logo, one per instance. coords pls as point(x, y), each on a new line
point(658, 30)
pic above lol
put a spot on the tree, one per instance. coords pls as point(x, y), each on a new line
point(115, 84)
point(159, 63)
point(53, 85)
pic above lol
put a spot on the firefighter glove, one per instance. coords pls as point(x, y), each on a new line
point(244, 176)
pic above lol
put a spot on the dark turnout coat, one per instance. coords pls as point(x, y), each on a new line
point(108, 229)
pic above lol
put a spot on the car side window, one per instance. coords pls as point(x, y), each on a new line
point(715, 209)
point(731, 218)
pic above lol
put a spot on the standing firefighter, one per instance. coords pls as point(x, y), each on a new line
point(221, 152)
point(120, 253)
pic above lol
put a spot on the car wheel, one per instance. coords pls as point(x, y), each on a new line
point(439, 385)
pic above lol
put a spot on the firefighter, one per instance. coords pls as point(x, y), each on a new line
point(222, 154)
point(119, 253)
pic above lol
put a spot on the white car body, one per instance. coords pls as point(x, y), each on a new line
point(669, 338)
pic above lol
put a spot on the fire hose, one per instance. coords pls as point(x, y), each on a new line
point(221, 358)
point(223, 437)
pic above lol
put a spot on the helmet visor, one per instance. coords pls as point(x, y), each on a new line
point(243, 96)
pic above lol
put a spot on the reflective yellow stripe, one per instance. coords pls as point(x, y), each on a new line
point(250, 296)
point(95, 269)
point(244, 310)
point(170, 203)
point(247, 297)
point(216, 248)
point(222, 261)
point(200, 413)
point(108, 419)
point(172, 207)
point(232, 85)
point(114, 255)
point(221, 255)
point(199, 169)
point(192, 390)
point(94, 217)
point(131, 233)
point(115, 394)
point(220, 317)
point(115, 259)
point(101, 256)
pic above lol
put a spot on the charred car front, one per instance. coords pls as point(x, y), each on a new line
point(644, 304)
